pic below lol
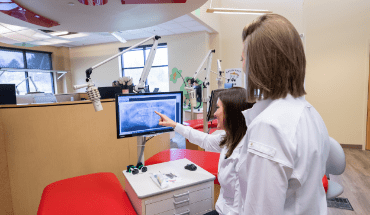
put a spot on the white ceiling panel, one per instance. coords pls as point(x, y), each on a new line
point(183, 25)
point(13, 27)
point(113, 16)
point(199, 28)
point(4, 30)
point(7, 40)
point(184, 18)
point(18, 37)
point(190, 23)
point(181, 30)
point(171, 26)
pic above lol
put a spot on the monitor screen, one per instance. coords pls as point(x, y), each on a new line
point(135, 112)
point(7, 94)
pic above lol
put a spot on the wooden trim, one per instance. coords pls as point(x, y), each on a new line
point(350, 146)
point(368, 115)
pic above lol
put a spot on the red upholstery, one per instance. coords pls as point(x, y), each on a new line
point(206, 160)
point(325, 183)
point(198, 123)
point(99, 193)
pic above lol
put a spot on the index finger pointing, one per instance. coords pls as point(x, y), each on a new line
point(158, 113)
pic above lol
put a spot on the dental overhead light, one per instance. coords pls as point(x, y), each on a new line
point(92, 91)
point(236, 11)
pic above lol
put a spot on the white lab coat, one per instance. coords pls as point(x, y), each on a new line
point(283, 159)
point(226, 167)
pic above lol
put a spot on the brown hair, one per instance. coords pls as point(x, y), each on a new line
point(234, 101)
point(275, 58)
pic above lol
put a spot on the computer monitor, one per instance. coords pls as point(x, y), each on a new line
point(213, 103)
point(109, 92)
point(135, 112)
point(7, 94)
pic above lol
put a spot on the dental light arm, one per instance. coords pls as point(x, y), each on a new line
point(147, 67)
point(219, 75)
point(191, 90)
point(29, 77)
point(93, 92)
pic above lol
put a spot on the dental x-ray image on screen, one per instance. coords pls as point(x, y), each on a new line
point(135, 112)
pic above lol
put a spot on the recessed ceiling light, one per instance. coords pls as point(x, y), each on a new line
point(71, 3)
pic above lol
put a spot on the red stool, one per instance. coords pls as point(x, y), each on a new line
point(98, 193)
point(206, 160)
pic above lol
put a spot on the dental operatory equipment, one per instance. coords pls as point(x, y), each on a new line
point(93, 92)
point(30, 78)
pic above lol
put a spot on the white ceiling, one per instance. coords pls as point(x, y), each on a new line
point(113, 16)
point(23, 36)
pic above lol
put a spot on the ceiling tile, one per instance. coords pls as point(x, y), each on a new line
point(57, 41)
point(184, 18)
point(181, 31)
point(7, 40)
point(41, 43)
point(169, 22)
point(198, 28)
point(153, 29)
point(171, 26)
point(18, 37)
point(13, 27)
point(164, 32)
point(27, 32)
point(4, 30)
point(190, 24)
point(40, 36)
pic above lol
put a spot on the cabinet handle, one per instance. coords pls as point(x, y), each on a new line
point(176, 203)
point(183, 194)
point(186, 212)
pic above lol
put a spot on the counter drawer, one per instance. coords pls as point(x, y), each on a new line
point(197, 208)
point(176, 203)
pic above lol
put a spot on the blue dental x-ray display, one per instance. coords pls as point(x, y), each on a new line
point(135, 112)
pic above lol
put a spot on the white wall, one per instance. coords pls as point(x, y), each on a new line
point(337, 41)
point(185, 52)
point(337, 37)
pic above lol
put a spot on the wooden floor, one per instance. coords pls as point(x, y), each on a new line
point(356, 182)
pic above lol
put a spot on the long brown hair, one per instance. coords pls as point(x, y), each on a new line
point(275, 58)
point(234, 101)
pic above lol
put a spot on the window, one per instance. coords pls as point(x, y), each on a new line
point(25, 59)
point(134, 60)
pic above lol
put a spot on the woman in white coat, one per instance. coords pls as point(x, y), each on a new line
point(229, 115)
point(284, 154)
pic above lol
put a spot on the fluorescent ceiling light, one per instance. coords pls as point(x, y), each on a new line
point(41, 36)
point(13, 27)
point(58, 33)
point(237, 11)
point(4, 30)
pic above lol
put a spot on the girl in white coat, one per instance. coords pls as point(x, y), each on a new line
point(284, 155)
point(229, 115)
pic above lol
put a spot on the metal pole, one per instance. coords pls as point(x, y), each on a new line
point(205, 101)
